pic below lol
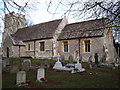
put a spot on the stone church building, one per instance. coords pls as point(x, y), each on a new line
point(46, 40)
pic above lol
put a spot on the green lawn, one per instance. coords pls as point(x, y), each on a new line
point(103, 77)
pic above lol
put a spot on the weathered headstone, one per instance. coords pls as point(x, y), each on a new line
point(46, 65)
point(19, 60)
point(96, 59)
point(34, 66)
point(90, 62)
point(79, 65)
point(27, 60)
point(40, 73)
point(14, 69)
point(25, 66)
point(70, 59)
point(63, 59)
point(21, 77)
point(5, 62)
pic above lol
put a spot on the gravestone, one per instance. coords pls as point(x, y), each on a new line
point(27, 60)
point(96, 59)
point(46, 65)
point(21, 77)
point(104, 58)
point(70, 59)
point(63, 59)
point(73, 71)
point(20, 63)
point(59, 66)
point(90, 62)
point(25, 66)
point(19, 60)
point(14, 69)
point(58, 63)
point(34, 66)
point(40, 73)
point(116, 62)
point(79, 65)
point(5, 62)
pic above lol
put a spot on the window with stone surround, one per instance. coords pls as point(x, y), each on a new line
point(87, 46)
point(65, 46)
point(28, 46)
point(42, 46)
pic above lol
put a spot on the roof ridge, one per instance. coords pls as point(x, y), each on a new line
point(37, 24)
point(41, 23)
point(86, 21)
point(38, 31)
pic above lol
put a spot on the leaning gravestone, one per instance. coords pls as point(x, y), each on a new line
point(21, 77)
point(25, 66)
point(40, 73)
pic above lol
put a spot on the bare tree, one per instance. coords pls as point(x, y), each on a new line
point(20, 6)
point(88, 9)
point(92, 9)
point(29, 22)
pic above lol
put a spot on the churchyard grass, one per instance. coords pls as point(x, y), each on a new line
point(102, 77)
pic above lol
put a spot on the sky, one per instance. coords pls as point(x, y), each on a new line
point(40, 14)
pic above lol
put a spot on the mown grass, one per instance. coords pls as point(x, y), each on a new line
point(103, 77)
